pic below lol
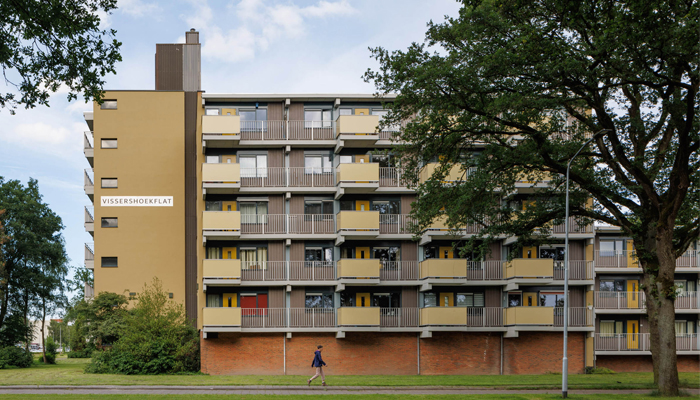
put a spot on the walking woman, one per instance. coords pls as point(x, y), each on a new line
point(319, 364)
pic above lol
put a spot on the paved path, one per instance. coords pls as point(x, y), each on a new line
point(278, 390)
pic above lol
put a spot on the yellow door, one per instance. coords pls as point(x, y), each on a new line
point(632, 334)
point(228, 205)
point(228, 111)
point(530, 252)
point(362, 111)
point(530, 299)
point(363, 300)
point(633, 294)
point(446, 299)
point(228, 159)
point(446, 252)
point(229, 253)
point(631, 257)
point(362, 252)
point(230, 300)
point(362, 205)
point(362, 158)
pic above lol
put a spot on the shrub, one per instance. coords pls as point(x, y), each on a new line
point(158, 339)
point(50, 352)
point(15, 356)
point(85, 352)
point(599, 370)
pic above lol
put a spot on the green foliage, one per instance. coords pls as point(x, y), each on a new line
point(15, 356)
point(48, 44)
point(97, 322)
point(157, 338)
point(85, 352)
point(50, 351)
point(599, 370)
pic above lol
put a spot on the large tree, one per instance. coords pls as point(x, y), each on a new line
point(46, 44)
point(527, 83)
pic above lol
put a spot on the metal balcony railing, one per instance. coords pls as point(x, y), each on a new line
point(312, 270)
point(395, 224)
point(398, 270)
point(399, 317)
point(391, 177)
point(620, 300)
point(578, 270)
point(578, 317)
point(627, 342)
point(288, 177)
point(484, 270)
point(616, 259)
point(263, 270)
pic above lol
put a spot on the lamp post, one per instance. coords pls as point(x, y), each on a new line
point(565, 359)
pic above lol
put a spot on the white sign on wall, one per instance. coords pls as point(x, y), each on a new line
point(136, 201)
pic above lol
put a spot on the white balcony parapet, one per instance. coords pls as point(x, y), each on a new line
point(90, 255)
point(89, 181)
point(88, 141)
point(636, 342)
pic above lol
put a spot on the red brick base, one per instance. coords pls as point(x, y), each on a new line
point(385, 353)
point(623, 363)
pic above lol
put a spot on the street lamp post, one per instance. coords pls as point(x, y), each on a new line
point(565, 359)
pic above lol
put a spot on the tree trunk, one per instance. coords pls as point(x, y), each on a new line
point(660, 289)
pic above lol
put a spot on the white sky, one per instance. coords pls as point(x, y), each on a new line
point(248, 46)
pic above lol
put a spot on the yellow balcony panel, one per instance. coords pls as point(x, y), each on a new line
point(359, 268)
point(456, 173)
point(358, 173)
point(529, 316)
point(221, 269)
point(221, 125)
point(221, 316)
point(443, 268)
point(357, 125)
point(224, 221)
point(358, 316)
point(227, 174)
point(362, 223)
point(529, 268)
point(539, 177)
point(443, 316)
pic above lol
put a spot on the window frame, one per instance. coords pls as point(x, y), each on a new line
point(102, 183)
point(102, 143)
point(115, 259)
point(103, 219)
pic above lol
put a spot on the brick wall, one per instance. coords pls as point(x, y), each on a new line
point(243, 354)
point(461, 353)
point(628, 363)
point(541, 352)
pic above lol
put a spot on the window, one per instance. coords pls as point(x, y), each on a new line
point(551, 299)
point(386, 300)
point(555, 253)
point(109, 262)
point(109, 183)
point(253, 119)
point(109, 222)
point(611, 286)
point(253, 257)
point(212, 206)
point(213, 253)
point(317, 255)
point(108, 105)
point(384, 160)
point(345, 111)
point(430, 300)
point(109, 143)
point(346, 159)
point(611, 248)
point(253, 212)
point(213, 159)
point(382, 114)
point(515, 299)
point(386, 254)
point(318, 207)
point(607, 328)
point(212, 111)
point(253, 166)
point(470, 300)
point(317, 164)
point(386, 207)
point(317, 118)
point(213, 300)
point(319, 300)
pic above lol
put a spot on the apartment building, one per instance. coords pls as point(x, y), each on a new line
point(279, 223)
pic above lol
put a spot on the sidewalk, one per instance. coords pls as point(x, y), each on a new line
point(297, 390)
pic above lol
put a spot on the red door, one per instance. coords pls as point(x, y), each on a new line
point(262, 304)
point(248, 305)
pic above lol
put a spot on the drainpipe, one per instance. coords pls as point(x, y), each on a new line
point(418, 340)
point(502, 353)
point(284, 353)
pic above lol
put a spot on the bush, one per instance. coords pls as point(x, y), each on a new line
point(15, 356)
point(82, 353)
point(50, 353)
point(599, 370)
point(158, 339)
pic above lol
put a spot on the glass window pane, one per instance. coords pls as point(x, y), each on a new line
point(213, 300)
point(248, 115)
point(262, 166)
point(109, 222)
point(261, 114)
point(312, 115)
point(109, 183)
point(607, 286)
point(607, 248)
point(109, 143)
point(312, 208)
point(479, 300)
point(212, 159)
point(430, 300)
point(326, 118)
point(607, 328)
point(212, 206)
point(346, 111)
point(515, 300)
point(313, 164)
point(464, 300)
point(327, 208)
point(212, 111)
point(346, 159)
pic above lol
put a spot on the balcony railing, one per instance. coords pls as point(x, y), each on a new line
point(637, 301)
point(689, 259)
point(477, 317)
point(578, 270)
point(312, 271)
point(455, 268)
point(89, 251)
point(88, 140)
point(260, 224)
point(390, 177)
point(399, 317)
point(89, 215)
point(287, 177)
point(89, 291)
point(311, 224)
point(263, 270)
point(578, 317)
point(89, 178)
point(311, 130)
point(398, 270)
point(395, 224)
point(623, 342)
point(484, 270)
point(616, 259)
point(574, 227)
point(263, 130)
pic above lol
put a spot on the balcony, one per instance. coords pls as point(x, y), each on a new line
point(399, 317)
point(529, 316)
point(221, 224)
point(312, 271)
point(90, 256)
point(263, 271)
point(357, 130)
point(361, 224)
point(617, 260)
point(612, 302)
point(358, 177)
point(358, 316)
point(311, 224)
point(359, 271)
point(88, 292)
point(457, 173)
point(221, 319)
point(574, 228)
point(220, 125)
point(579, 270)
point(89, 147)
point(395, 224)
point(221, 272)
point(579, 317)
point(90, 220)
point(439, 227)
point(529, 268)
point(455, 268)
point(311, 131)
point(89, 184)
point(639, 343)
point(398, 271)
point(689, 259)
point(391, 177)
point(475, 317)
point(221, 178)
point(283, 178)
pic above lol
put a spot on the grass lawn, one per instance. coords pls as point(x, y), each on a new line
point(337, 397)
point(70, 372)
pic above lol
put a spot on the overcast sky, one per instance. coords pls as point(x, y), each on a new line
point(248, 46)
